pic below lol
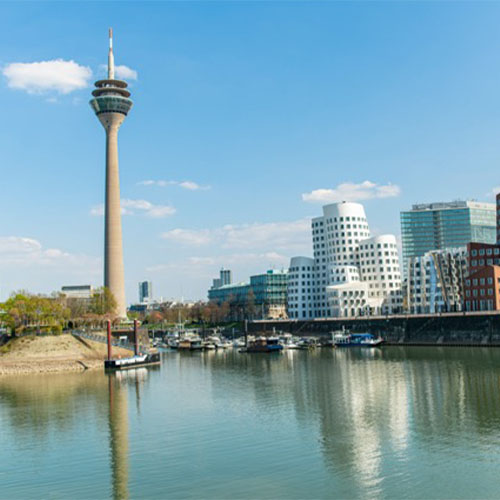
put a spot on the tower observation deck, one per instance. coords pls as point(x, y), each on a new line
point(111, 104)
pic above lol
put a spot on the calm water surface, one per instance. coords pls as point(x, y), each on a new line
point(390, 423)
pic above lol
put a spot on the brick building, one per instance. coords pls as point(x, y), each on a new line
point(482, 286)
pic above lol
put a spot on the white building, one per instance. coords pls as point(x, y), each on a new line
point(354, 273)
point(300, 288)
point(77, 291)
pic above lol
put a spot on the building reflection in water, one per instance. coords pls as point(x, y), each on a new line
point(372, 408)
point(118, 425)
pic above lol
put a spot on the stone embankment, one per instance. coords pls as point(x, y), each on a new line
point(51, 354)
point(446, 329)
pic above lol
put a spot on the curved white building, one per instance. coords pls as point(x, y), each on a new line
point(355, 274)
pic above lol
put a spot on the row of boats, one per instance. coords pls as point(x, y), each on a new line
point(190, 342)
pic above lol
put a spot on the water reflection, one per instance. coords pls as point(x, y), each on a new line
point(371, 404)
point(343, 423)
point(118, 437)
point(118, 424)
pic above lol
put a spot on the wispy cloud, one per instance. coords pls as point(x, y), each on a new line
point(189, 185)
point(206, 266)
point(138, 207)
point(23, 251)
point(56, 75)
point(349, 191)
point(121, 71)
point(25, 263)
point(269, 236)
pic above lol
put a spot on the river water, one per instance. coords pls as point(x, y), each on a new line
point(388, 423)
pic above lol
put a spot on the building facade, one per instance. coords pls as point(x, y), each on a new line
point(78, 291)
point(351, 274)
point(436, 282)
point(264, 296)
point(225, 278)
point(438, 226)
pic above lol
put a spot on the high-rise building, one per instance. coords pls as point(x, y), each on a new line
point(111, 104)
point(145, 291)
point(225, 278)
point(351, 274)
point(437, 226)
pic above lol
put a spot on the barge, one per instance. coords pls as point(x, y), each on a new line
point(135, 361)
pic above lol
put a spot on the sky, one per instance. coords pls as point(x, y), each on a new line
point(247, 118)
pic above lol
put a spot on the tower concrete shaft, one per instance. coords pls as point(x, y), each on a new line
point(111, 104)
point(113, 248)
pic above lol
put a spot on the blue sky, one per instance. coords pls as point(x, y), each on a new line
point(243, 111)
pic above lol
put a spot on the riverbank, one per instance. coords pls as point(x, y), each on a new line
point(53, 354)
point(445, 329)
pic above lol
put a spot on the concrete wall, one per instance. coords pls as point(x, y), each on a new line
point(446, 329)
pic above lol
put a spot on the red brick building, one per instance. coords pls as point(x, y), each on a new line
point(482, 285)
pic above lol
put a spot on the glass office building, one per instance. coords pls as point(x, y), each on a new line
point(437, 226)
point(269, 294)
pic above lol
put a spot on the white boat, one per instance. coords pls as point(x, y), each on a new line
point(357, 340)
point(238, 343)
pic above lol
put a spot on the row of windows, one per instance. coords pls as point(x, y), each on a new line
point(482, 292)
point(487, 251)
point(480, 281)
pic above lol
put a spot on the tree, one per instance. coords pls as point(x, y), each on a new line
point(250, 305)
point(103, 303)
point(24, 311)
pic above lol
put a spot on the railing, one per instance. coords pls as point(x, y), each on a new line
point(104, 340)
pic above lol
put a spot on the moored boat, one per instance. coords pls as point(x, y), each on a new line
point(263, 344)
point(137, 361)
point(190, 344)
point(357, 340)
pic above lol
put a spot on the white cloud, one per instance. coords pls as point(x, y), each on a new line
point(493, 193)
point(208, 266)
point(122, 72)
point(137, 207)
point(189, 185)
point(270, 235)
point(125, 72)
point(189, 237)
point(45, 76)
point(26, 264)
point(349, 191)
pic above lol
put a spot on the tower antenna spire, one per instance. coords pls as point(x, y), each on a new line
point(111, 57)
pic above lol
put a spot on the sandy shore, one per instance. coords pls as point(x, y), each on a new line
point(54, 354)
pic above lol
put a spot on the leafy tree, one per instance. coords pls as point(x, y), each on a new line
point(27, 312)
point(103, 303)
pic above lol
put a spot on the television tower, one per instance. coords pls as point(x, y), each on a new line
point(111, 104)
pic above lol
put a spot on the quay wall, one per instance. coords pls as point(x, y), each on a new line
point(454, 329)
